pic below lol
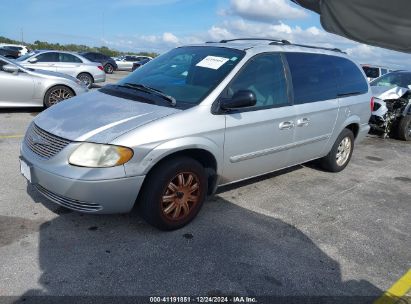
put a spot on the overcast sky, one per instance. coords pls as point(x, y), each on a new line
point(159, 25)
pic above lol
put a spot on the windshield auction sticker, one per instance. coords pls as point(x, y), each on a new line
point(212, 62)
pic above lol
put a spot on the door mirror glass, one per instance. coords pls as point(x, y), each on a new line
point(33, 60)
point(240, 99)
point(10, 68)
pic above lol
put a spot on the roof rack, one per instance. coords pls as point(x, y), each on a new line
point(273, 41)
point(277, 41)
point(318, 47)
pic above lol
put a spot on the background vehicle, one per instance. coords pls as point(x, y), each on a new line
point(21, 49)
point(373, 71)
point(125, 63)
point(197, 118)
point(107, 62)
point(9, 53)
point(23, 87)
point(138, 64)
point(391, 114)
point(65, 62)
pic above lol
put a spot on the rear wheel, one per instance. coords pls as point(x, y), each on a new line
point(56, 94)
point(341, 152)
point(108, 68)
point(404, 128)
point(86, 78)
point(173, 193)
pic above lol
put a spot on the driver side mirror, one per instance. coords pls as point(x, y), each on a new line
point(10, 68)
point(241, 99)
point(33, 60)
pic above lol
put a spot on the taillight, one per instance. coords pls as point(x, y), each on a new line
point(101, 68)
point(372, 104)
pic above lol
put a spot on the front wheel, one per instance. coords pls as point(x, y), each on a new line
point(404, 128)
point(173, 193)
point(86, 78)
point(341, 152)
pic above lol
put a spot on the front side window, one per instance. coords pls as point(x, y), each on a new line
point(64, 57)
point(188, 74)
point(313, 77)
point(48, 57)
point(264, 76)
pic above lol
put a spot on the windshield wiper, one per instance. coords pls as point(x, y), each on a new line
point(150, 90)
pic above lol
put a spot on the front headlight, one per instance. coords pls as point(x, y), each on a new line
point(100, 156)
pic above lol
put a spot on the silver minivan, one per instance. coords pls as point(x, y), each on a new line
point(194, 119)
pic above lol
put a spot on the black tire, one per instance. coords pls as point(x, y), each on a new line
point(404, 128)
point(158, 195)
point(330, 162)
point(109, 68)
point(86, 78)
point(56, 94)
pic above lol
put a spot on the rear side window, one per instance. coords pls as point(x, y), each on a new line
point(313, 77)
point(63, 57)
point(349, 77)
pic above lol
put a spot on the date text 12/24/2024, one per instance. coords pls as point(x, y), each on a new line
point(236, 299)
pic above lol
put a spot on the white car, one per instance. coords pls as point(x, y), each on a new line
point(125, 63)
point(65, 62)
point(22, 49)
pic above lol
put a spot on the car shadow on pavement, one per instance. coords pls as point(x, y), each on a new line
point(31, 110)
point(226, 250)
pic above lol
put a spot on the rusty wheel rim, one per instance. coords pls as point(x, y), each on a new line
point(180, 196)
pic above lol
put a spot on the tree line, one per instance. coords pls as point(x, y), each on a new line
point(43, 45)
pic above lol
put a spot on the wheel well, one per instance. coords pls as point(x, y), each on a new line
point(204, 157)
point(57, 85)
point(354, 128)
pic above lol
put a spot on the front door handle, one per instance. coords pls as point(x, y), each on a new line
point(303, 122)
point(286, 125)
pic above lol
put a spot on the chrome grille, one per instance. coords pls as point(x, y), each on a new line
point(68, 202)
point(42, 143)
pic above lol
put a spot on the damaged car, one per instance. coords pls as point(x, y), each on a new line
point(391, 116)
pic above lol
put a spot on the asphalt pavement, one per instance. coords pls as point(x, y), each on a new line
point(299, 232)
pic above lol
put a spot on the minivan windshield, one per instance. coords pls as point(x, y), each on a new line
point(186, 74)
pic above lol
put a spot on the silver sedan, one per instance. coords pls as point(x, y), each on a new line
point(25, 87)
point(68, 63)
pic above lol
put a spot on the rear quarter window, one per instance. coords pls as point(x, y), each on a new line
point(313, 77)
point(350, 79)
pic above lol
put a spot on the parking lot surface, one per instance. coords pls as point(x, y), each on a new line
point(300, 231)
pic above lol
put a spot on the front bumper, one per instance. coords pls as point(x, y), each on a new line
point(90, 196)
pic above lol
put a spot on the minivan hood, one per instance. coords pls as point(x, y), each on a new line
point(98, 117)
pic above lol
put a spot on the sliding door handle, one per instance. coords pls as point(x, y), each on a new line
point(303, 122)
point(286, 125)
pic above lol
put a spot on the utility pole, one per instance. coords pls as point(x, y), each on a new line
point(22, 36)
